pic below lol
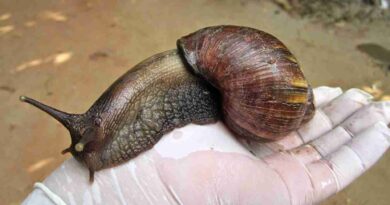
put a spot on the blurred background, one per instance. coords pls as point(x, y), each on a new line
point(67, 52)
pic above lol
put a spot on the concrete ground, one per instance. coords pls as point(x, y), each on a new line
point(67, 52)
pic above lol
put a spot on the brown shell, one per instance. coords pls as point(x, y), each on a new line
point(264, 92)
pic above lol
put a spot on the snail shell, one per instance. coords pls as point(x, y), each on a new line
point(263, 92)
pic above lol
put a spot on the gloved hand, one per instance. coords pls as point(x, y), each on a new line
point(206, 164)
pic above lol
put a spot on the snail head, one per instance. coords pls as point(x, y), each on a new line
point(84, 129)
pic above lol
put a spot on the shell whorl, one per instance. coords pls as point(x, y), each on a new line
point(264, 92)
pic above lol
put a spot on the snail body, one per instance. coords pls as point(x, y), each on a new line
point(244, 76)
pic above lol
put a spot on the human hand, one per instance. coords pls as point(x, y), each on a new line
point(208, 165)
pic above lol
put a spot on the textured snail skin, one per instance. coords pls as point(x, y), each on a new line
point(153, 98)
point(158, 95)
point(162, 93)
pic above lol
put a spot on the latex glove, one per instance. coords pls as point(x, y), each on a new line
point(208, 165)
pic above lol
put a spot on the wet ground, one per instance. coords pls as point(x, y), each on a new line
point(66, 52)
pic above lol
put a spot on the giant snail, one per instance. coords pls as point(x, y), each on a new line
point(244, 76)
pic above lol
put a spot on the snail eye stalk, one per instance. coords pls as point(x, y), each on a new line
point(68, 120)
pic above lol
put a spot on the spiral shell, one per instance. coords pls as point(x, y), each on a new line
point(264, 92)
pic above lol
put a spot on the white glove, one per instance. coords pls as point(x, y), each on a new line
point(206, 164)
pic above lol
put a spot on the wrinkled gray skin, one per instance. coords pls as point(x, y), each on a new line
point(153, 98)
